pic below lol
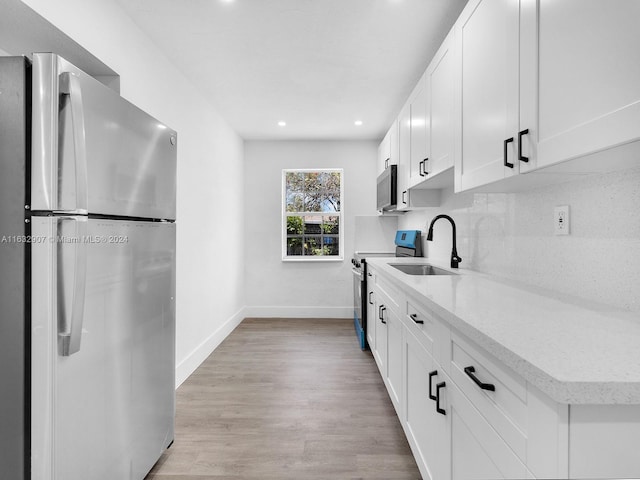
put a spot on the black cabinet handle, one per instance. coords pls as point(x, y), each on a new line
point(386, 163)
point(414, 317)
point(484, 386)
point(506, 162)
point(370, 302)
point(431, 375)
point(403, 197)
point(382, 309)
point(521, 157)
point(438, 387)
point(422, 170)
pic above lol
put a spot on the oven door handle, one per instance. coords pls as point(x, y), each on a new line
point(357, 273)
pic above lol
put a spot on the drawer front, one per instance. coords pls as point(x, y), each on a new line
point(497, 393)
point(423, 324)
point(391, 294)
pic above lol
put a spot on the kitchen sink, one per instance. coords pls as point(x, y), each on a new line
point(420, 269)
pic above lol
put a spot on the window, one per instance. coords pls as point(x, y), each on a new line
point(312, 215)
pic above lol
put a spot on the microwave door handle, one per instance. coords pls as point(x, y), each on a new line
point(69, 85)
point(71, 283)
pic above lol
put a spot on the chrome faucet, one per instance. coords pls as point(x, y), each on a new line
point(455, 259)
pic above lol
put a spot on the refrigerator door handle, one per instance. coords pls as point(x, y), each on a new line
point(69, 85)
point(71, 282)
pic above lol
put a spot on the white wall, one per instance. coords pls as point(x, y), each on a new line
point(291, 289)
point(511, 236)
point(210, 256)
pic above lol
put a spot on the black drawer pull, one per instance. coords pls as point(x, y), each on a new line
point(431, 375)
point(484, 386)
point(438, 387)
point(403, 197)
point(506, 162)
point(414, 317)
point(386, 163)
point(521, 157)
point(382, 309)
point(370, 302)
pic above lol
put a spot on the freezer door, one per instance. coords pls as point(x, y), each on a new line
point(106, 410)
point(93, 151)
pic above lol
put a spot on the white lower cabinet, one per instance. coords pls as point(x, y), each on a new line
point(371, 312)
point(468, 416)
point(422, 425)
point(380, 350)
point(394, 358)
point(450, 439)
point(477, 451)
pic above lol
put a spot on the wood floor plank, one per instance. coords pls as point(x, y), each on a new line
point(287, 399)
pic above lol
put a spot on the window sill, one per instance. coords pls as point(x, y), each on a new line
point(311, 259)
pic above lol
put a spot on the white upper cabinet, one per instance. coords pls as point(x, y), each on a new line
point(432, 113)
point(581, 76)
point(540, 82)
point(440, 81)
point(388, 149)
point(487, 96)
point(404, 156)
point(419, 127)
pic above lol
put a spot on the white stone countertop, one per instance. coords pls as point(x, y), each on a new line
point(574, 354)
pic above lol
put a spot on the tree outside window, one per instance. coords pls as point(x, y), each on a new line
point(312, 214)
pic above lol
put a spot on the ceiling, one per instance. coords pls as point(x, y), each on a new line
point(318, 65)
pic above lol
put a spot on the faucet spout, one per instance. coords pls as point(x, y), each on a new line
point(455, 259)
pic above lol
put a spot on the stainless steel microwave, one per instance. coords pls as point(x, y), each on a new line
point(388, 189)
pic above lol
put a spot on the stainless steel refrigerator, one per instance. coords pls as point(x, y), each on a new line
point(87, 279)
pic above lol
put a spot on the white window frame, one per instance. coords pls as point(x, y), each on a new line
point(283, 227)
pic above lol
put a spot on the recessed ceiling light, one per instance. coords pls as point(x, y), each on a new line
point(282, 124)
point(357, 123)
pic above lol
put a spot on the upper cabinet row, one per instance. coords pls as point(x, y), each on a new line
point(520, 86)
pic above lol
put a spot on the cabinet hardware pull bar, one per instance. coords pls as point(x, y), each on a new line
point(414, 317)
point(370, 302)
point(521, 157)
point(424, 166)
point(431, 375)
point(438, 387)
point(506, 161)
point(484, 386)
point(382, 309)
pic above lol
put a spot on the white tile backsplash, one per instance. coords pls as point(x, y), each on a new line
point(375, 233)
point(511, 236)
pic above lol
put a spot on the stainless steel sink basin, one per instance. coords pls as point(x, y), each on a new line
point(420, 269)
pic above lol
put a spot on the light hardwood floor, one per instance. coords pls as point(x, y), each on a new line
point(287, 399)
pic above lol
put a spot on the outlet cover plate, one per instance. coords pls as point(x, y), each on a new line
point(561, 220)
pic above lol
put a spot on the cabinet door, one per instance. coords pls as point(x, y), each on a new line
point(487, 38)
point(380, 353)
point(371, 313)
point(419, 126)
point(477, 451)
point(440, 82)
point(404, 156)
point(394, 359)
point(384, 153)
point(587, 87)
point(420, 413)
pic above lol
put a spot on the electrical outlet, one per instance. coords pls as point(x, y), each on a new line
point(561, 220)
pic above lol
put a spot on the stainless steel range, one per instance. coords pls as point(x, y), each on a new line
point(408, 244)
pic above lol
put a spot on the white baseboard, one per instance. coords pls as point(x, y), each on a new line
point(299, 312)
point(187, 366)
